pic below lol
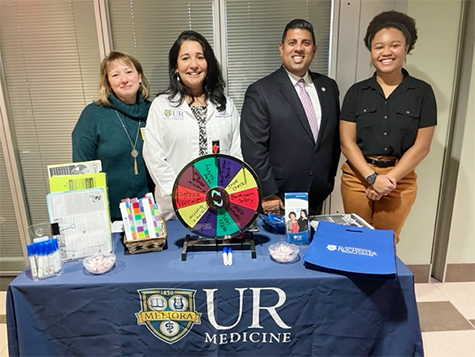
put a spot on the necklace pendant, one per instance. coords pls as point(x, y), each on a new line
point(136, 169)
point(134, 153)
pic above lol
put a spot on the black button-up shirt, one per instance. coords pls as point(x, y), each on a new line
point(388, 126)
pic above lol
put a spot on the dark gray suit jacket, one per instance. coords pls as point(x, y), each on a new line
point(277, 141)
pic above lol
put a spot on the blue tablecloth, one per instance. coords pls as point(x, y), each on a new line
point(155, 304)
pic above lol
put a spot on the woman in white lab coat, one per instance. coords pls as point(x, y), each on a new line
point(191, 118)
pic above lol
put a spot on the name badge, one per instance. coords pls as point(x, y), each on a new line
point(223, 115)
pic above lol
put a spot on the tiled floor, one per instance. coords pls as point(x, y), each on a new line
point(446, 311)
point(447, 315)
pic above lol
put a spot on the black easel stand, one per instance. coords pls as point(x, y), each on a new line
point(243, 242)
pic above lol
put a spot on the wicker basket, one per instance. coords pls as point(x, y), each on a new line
point(149, 244)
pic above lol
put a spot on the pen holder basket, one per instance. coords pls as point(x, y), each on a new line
point(148, 244)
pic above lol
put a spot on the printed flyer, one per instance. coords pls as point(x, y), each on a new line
point(296, 217)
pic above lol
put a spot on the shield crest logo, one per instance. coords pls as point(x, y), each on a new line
point(169, 314)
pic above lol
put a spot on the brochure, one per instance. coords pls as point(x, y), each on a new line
point(296, 217)
point(75, 168)
point(344, 219)
point(80, 182)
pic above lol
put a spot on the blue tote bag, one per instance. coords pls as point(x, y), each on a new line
point(352, 250)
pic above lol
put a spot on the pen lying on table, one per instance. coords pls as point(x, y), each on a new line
point(227, 256)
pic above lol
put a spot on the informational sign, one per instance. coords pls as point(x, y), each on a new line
point(83, 220)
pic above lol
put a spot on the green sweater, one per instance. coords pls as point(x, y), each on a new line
point(100, 135)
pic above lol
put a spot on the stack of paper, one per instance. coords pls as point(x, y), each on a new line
point(78, 202)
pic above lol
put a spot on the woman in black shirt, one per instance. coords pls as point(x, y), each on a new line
point(386, 128)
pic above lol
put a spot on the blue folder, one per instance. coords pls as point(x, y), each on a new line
point(352, 250)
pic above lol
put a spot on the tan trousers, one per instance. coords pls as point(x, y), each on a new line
point(390, 211)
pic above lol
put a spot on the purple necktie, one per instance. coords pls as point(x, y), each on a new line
point(308, 107)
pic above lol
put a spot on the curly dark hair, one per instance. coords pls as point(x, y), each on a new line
point(394, 19)
point(213, 85)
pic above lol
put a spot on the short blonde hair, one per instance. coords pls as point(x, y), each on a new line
point(106, 65)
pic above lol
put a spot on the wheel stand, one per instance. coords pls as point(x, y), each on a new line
point(245, 241)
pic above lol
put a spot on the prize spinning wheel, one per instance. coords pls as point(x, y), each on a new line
point(217, 196)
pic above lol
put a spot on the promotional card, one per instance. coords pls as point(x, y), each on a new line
point(296, 217)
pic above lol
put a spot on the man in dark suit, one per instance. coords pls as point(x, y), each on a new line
point(292, 145)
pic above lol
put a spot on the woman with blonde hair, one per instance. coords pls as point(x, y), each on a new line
point(111, 129)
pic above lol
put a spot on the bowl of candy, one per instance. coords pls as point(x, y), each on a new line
point(99, 263)
point(284, 252)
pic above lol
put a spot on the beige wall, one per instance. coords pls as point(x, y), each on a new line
point(462, 234)
point(433, 60)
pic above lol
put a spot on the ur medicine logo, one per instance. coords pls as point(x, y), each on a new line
point(174, 114)
point(169, 314)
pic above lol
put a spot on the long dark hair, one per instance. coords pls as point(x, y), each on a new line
point(213, 85)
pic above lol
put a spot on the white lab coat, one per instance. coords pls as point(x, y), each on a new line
point(172, 141)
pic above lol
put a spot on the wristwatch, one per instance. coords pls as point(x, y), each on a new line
point(371, 178)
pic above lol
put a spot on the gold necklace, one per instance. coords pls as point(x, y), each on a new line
point(134, 153)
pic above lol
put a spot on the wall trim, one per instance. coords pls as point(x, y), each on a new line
point(461, 272)
point(455, 273)
point(421, 272)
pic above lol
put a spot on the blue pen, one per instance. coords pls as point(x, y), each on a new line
point(225, 255)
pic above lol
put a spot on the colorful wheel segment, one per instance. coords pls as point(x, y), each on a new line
point(217, 196)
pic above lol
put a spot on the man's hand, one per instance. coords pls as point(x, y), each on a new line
point(272, 204)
